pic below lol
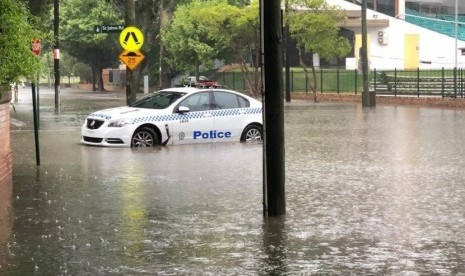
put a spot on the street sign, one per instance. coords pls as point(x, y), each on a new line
point(131, 39)
point(108, 28)
point(131, 59)
point(36, 47)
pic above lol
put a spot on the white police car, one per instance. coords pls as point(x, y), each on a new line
point(176, 116)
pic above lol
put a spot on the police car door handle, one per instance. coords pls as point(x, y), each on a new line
point(207, 115)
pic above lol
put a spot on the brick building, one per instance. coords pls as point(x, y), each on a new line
point(6, 156)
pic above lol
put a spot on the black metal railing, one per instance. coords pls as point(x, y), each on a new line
point(420, 82)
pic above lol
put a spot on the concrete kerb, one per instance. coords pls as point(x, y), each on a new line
point(429, 101)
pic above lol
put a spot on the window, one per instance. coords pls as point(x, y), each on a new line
point(158, 100)
point(225, 100)
point(198, 102)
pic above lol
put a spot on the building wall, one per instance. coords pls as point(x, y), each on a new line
point(435, 50)
point(6, 157)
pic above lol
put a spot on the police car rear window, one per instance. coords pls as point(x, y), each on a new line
point(160, 100)
point(226, 100)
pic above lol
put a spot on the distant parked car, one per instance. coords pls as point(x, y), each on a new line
point(177, 116)
point(193, 82)
point(203, 82)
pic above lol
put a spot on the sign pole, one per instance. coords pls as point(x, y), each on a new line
point(36, 125)
point(131, 40)
point(38, 103)
point(36, 49)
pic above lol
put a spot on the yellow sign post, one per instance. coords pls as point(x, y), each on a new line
point(131, 59)
point(131, 39)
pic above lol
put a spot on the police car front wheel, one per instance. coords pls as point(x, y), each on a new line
point(252, 133)
point(144, 137)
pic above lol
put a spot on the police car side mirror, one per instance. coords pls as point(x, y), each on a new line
point(183, 109)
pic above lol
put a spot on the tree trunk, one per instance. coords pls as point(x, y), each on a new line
point(197, 72)
point(302, 64)
point(314, 86)
point(94, 78)
point(252, 84)
point(101, 87)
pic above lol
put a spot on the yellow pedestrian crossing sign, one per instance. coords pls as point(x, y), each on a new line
point(131, 39)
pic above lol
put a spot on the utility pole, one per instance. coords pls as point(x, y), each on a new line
point(271, 45)
point(287, 54)
point(160, 66)
point(132, 85)
point(364, 58)
point(56, 52)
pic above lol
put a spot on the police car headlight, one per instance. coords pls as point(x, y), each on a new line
point(120, 123)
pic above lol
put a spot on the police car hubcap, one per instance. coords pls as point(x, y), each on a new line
point(143, 139)
point(253, 135)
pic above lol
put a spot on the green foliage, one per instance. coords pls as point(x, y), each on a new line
point(202, 31)
point(67, 63)
point(83, 71)
point(40, 9)
point(313, 24)
point(78, 18)
point(187, 38)
point(239, 3)
point(16, 35)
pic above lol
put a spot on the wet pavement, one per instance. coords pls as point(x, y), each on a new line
point(369, 192)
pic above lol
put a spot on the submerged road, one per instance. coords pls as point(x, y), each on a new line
point(369, 192)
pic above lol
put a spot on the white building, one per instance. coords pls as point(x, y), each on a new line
point(395, 43)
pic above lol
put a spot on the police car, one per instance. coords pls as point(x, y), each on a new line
point(177, 116)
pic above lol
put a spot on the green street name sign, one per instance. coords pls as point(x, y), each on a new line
point(108, 28)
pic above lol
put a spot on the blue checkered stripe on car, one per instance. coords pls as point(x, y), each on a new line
point(100, 115)
point(233, 112)
point(196, 115)
point(157, 118)
point(168, 118)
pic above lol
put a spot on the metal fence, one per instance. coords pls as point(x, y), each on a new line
point(440, 82)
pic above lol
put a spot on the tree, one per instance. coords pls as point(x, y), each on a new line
point(151, 15)
point(39, 8)
point(16, 34)
point(79, 40)
point(187, 38)
point(67, 63)
point(204, 31)
point(313, 24)
point(237, 30)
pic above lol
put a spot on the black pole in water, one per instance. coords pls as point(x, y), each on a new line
point(287, 55)
point(272, 40)
point(364, 58)
point(38, 102)
point(36, 125)
point(56, 52)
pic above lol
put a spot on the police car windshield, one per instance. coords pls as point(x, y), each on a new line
point(160, 100)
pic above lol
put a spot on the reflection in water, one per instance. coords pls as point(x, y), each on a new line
point(6, 220)
point(376, 189)
point(275, 246)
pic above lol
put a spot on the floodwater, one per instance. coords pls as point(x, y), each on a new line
point(368, 191)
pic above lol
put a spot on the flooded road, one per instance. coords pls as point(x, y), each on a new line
point(369, 192)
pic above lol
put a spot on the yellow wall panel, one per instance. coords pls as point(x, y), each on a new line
point(411, 51)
